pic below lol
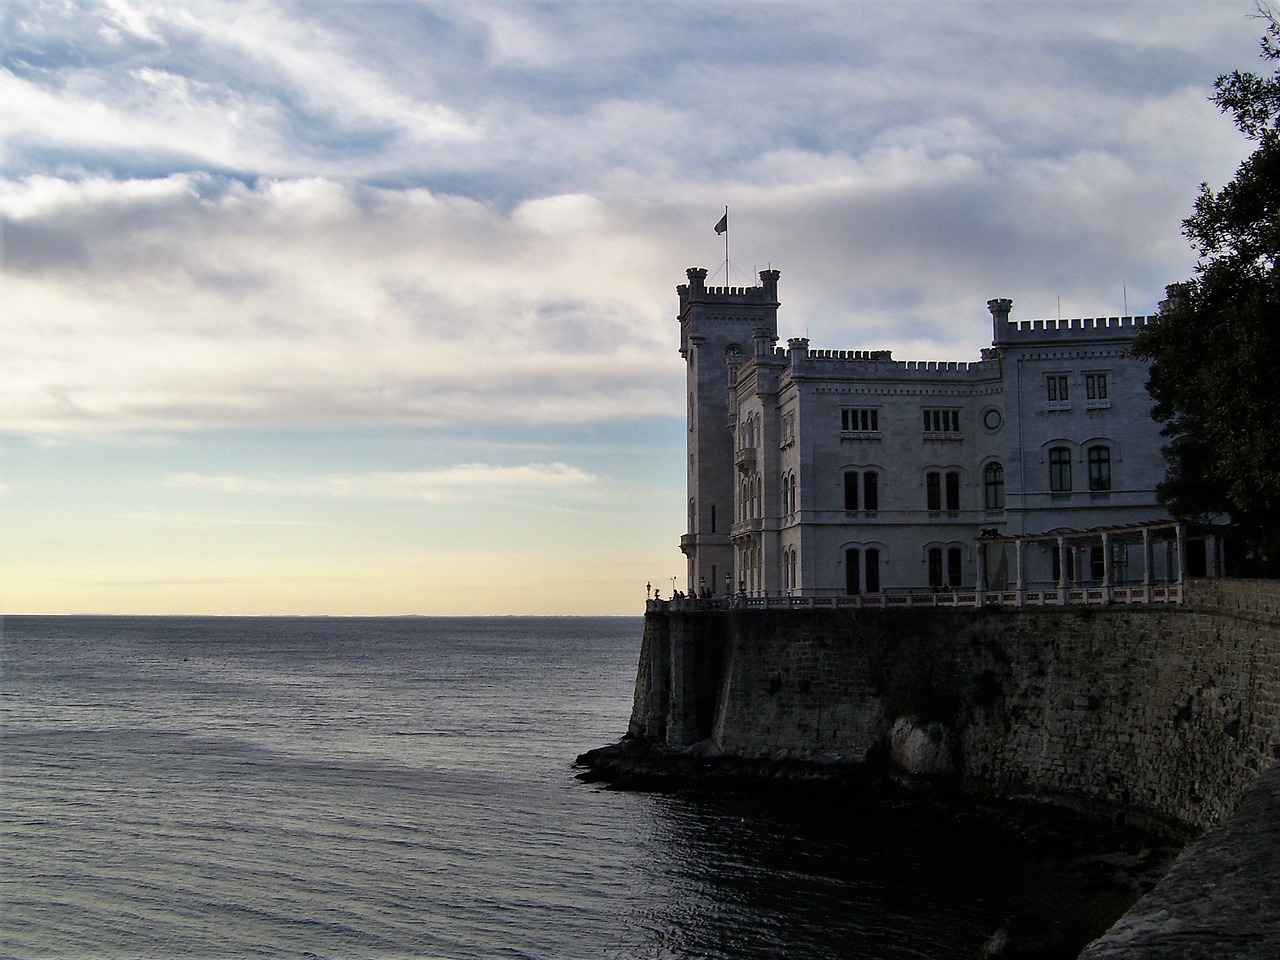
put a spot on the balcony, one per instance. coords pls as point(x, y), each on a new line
point(745, 459)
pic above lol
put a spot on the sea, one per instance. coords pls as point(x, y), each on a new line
point(175, 787)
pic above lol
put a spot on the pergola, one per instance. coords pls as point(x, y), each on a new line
point(1104, 585)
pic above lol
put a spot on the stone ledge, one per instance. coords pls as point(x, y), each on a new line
point(635, 764)
point(1221, 897)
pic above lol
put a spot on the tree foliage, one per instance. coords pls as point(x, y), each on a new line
point(1215, 349)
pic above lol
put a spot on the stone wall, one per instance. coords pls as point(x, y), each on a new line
point(1164, 715)
point(1221, 898)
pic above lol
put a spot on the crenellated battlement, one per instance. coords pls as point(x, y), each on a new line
point(859, 356)
point(1025, 331)
point(937, 366)
point(740, 293)
point(696, 290)
point(799, 354)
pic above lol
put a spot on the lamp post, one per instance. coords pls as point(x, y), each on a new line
point(648, 589)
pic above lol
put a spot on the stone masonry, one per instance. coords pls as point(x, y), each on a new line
point(1162, 715)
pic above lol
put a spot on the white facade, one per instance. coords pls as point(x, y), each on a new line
point(817, 473)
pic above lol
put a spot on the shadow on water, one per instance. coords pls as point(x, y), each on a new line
point(806, 877)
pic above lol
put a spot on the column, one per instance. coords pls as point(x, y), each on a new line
point(1106, 567)
point(1181, 546)
point(1063, 579)
point(1146, 564)
point(1020, 583)
point(980, 588)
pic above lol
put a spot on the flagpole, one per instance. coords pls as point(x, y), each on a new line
point(723, 227)
point(727, 282)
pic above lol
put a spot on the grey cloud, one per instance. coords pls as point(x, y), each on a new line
point(455, 213)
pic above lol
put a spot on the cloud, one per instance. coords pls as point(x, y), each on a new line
point(468, 482)
point(193, 302)
point(267, 214)
point(232, 86)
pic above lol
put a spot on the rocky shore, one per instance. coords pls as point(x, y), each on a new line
point(634, 764)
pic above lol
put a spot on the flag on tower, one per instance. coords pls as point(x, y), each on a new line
point(723, 225)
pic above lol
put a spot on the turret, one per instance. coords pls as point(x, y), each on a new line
point(999, 308)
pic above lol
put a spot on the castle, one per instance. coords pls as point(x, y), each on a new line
point(829, 473)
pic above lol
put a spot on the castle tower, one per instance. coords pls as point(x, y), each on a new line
point(718, 326)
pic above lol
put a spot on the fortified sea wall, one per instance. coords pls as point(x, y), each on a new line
point(1162, 715)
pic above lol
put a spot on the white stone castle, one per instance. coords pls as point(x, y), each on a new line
point(830, 473)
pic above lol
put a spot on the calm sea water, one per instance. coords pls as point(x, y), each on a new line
point(346, 788)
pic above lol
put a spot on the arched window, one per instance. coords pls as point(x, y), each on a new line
point(851, 490)
point(993, 486)
point(936, 484)
point(865, 484)
point(1060, 470)
point(861, 570)
point(948, 575)
point(871, 491)
point(1099, 469)
point(953, 490)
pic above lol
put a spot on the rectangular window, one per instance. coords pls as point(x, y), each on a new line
point(859, 420)
point(871, 491)
point(941, 421)
point(851, 491)
point(1097, 563)
point(1060, 470)
point(1095, 386)
point(933, 490)
point(954, 559)
point(1056, 390)
point(953, 491)
point(1099, 469)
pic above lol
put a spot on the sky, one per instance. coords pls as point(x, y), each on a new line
point(347, 308)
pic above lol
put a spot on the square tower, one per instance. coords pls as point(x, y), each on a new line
point(719, 327)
